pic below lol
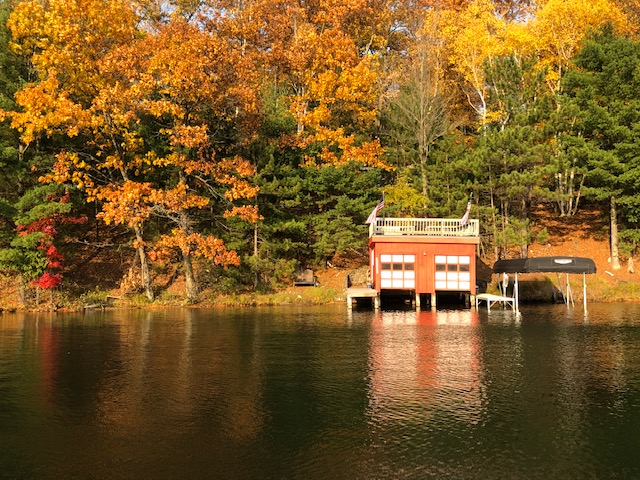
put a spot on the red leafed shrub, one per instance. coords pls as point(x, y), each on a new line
point(48, 281)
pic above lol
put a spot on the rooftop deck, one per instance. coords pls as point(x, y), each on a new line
point(428, 227)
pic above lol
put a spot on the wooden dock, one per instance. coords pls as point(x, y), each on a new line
point(354, 293)
point(492, 300)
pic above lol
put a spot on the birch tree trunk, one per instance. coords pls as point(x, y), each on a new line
point(524, 231)
point(615, 259)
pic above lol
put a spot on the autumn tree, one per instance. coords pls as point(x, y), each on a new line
point(318, 67)
point(186, 84)
point(473, 37)
point(631, 9)
point(65, 43)
point(310, 214)
point(514, 10)
point(554, 35)
point(144, 112)
point(319, 57)
point(510, 10)
point(336, 101)
point(559, 28)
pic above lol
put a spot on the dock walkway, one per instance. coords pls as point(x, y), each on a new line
point(491, 300)
point(354, 293)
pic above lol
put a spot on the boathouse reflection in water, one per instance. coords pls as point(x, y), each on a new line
point(415, 365)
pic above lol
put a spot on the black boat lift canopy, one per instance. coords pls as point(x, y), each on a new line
point(548, 265)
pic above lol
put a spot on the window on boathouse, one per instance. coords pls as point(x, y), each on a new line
point(453, 272)
point(397, 271)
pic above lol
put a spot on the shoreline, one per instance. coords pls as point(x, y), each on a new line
point(308, 297)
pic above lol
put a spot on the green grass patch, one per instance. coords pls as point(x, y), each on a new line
point(308, 296)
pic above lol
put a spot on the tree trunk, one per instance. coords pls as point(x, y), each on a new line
point(577, 199)
point(569, 192)
point(496, 247)
point(22, 294)
point(145, 277)
point(504, 209)
point(424, 179)
point(524, 247)
point(615, 259)
point(191, 284)
point(524, 230)
point(255, 255)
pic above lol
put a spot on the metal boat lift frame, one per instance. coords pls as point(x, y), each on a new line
point(567, 265)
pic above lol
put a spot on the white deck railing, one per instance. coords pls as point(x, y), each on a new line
point(430, 227)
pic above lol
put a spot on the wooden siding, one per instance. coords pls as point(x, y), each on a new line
point(424, 249)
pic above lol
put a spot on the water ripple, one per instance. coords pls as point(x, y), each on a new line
point(322, 393)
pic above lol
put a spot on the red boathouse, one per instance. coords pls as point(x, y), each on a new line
point(423, 257)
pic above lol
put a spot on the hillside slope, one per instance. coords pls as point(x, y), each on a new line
point(584, 235)
point(587, 235)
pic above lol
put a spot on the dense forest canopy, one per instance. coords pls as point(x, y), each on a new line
point(243, 140)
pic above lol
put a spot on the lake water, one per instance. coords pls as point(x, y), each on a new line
point(321, 393)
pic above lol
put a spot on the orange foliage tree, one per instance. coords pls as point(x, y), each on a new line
point(66, 43)
point(336, 98)
point(321, 54)
point(141, 120)
point(185, 83)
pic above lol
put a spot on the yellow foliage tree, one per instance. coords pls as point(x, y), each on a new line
point(66, 41)
point(559, 27)
point(473, 36)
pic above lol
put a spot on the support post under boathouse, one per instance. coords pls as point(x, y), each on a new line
point(422, 258)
